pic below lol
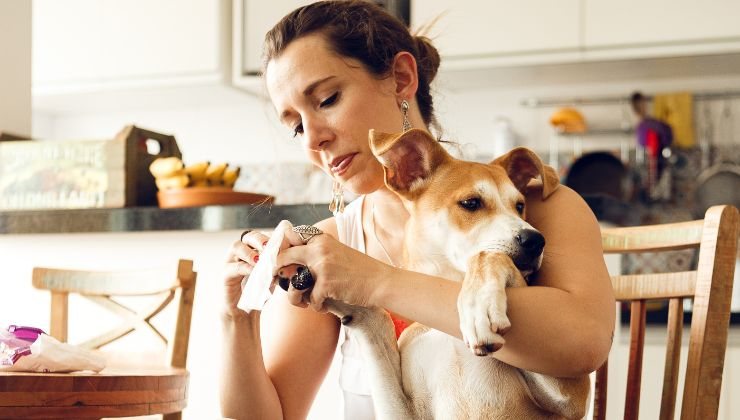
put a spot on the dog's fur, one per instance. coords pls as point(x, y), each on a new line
point(428, 374)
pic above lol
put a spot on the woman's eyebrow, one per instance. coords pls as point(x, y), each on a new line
point(310, 88)
point(308, 91)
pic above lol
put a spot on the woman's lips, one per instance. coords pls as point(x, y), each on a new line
point(342, 164)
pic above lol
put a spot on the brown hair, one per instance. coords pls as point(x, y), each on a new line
point(364, 31)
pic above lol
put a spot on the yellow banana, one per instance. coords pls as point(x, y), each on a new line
point(201, 183)
point(230, 176)
point(172, 182)
point(197, 171)
point(215, 173)
point(164, 167)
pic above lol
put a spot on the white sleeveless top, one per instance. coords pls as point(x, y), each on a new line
point(358, 404)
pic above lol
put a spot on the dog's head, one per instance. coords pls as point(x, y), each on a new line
point(459, 208)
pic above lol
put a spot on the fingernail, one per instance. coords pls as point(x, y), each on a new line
point(283, 283)
point(256, 258)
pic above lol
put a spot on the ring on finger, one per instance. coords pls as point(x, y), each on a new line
point(306, 232)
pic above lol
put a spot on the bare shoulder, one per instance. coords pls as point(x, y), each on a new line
point(562, 208)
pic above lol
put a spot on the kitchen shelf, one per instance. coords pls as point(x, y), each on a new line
point(142, 219)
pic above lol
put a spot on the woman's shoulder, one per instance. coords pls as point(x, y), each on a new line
point(562, 204)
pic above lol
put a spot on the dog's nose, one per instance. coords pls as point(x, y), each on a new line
point(531, 241)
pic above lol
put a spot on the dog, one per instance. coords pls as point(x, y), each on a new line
point(466, 224)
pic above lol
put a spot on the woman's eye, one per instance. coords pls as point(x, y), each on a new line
point(297, 130)
point(471, 204)
point(520, 207)
point(329, 101)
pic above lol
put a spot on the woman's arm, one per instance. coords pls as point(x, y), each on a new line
point(563, 325)
point(274, 373)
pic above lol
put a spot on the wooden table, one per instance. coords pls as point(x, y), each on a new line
point(110, 393)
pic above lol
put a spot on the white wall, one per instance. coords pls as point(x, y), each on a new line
point(243, 129)
point(15, 67)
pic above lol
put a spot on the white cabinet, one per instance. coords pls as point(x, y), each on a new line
point(475, 29)
point(251, 19)
point(89, 45)
point(638, 22)
point(478, 33)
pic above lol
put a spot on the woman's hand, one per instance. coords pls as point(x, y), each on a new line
point(340, 272)
point(240, 261)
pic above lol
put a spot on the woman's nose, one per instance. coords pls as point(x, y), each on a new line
point(318, 134)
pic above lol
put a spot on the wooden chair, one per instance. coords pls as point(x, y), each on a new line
point(100, 287)
point(710, 286)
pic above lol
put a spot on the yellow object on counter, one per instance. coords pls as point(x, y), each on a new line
point(568, 120)
point(677, 110)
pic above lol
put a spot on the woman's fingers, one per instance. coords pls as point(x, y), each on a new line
point(255, 239)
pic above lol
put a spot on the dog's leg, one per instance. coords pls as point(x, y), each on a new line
point(374, 331)
point(482, 301)
point(567, 397)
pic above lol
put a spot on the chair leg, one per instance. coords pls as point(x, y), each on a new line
point(172, 416)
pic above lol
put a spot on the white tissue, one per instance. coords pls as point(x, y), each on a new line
point(257, 287)
point(50, 355)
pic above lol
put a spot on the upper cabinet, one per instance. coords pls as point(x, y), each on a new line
point(627, 23)
point(473, 30)
point(89, 45)
point(478, 33)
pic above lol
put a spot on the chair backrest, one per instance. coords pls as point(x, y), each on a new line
point(710, 286)
point(167, 286)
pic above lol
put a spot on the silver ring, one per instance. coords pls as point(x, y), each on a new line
point(306, 232)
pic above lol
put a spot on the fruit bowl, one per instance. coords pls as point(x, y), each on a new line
point(208, 196)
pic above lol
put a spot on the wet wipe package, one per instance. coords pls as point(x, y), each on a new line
point(29, 349)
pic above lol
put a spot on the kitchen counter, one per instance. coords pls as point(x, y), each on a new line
point(139, 219)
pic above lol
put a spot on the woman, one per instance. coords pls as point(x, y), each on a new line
point(334, 70)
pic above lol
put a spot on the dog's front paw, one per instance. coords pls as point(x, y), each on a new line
point(483, 320)
point(482, 304)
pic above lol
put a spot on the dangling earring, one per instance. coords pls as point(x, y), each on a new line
point(405, 112)
point(336, 205)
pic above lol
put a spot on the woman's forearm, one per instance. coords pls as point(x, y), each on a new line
point(246, 388)
point(543, 337)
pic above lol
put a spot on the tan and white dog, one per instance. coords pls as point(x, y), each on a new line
point(466, 224)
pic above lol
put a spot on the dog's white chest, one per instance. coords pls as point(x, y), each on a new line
point(442, 375)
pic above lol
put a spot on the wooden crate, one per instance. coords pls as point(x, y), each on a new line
point(82, 174)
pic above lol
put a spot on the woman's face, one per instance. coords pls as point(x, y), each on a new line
point(330, 103)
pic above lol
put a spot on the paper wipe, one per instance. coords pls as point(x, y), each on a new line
point(257, 287)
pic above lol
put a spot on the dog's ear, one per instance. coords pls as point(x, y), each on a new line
point(522, 164)
point(408, 158)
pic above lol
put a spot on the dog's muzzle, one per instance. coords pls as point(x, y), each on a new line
point(531, 243)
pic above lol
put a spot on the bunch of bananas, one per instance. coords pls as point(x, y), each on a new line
point(172, 173)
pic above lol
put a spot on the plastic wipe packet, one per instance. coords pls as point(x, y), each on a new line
point(28, 349)
point(257, 287)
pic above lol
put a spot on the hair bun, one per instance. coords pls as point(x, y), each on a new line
point(428, 58)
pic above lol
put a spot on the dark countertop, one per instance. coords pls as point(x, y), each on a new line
point(140, 219)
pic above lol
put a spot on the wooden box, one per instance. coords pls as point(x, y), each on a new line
point(82, 174)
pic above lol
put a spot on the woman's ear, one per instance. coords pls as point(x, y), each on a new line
point(405, 75)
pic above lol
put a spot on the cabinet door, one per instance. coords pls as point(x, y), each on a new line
point(258, 17)
point(480, 28)
point(629, 23)
point(78, 43)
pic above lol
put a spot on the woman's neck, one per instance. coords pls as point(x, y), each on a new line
point(390, 213)
point(384, 221)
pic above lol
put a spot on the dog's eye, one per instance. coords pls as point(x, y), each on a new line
point(520, 207)
point(471, 204)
